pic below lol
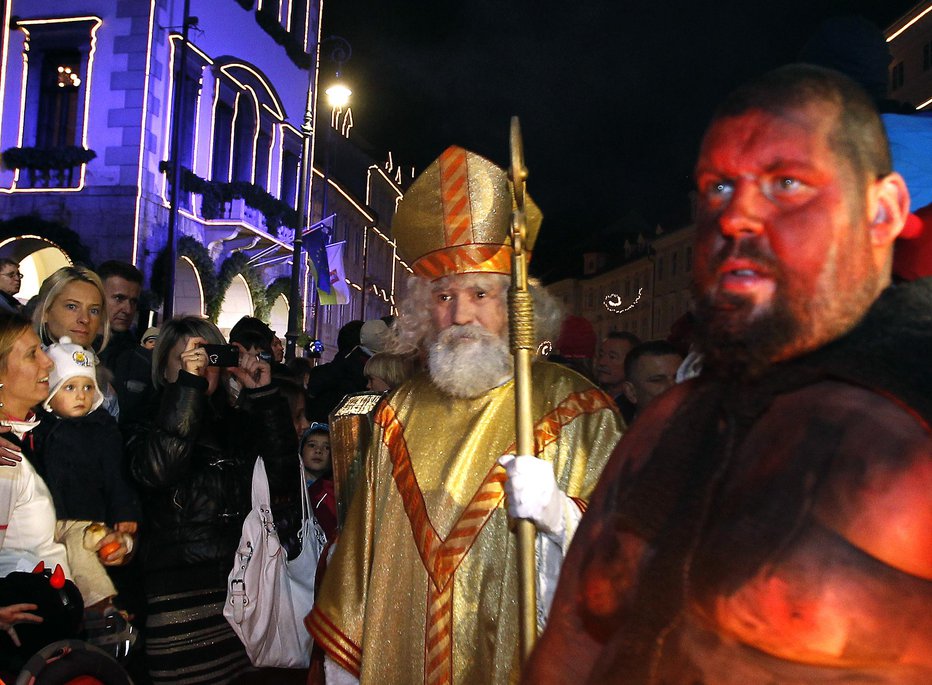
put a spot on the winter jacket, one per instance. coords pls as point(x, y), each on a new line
point(194, 465)
point(132, 380)
point(8, 303)
point(329, 383)
point(27, 515)
point(324, 504)
point(119, 343)
point(81, 460)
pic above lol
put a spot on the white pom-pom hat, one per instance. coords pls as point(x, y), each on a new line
point(71, 360)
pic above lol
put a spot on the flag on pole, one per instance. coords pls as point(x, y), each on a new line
point(339, 289)
point(315, 244)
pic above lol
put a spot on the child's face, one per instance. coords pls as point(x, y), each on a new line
point(316, 454)
point(74, 398)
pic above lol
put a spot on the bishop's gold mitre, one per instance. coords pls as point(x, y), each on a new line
point(456, 218)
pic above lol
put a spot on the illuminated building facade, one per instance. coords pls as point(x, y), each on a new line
point(659, 267)
point(910, 41)
point(673, 269)
point(86, 98)
point(644, 293)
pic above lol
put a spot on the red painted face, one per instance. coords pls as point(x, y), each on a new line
point(782, 232)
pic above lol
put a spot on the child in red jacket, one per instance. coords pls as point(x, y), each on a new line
point(318, 470)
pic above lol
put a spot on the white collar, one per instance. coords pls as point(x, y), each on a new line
point(20, 428)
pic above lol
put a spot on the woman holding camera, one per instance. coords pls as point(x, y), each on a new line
point(194, 464)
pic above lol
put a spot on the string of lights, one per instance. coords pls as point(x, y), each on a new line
point(613, 302)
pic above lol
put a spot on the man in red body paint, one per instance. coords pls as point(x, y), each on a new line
point(770, 523)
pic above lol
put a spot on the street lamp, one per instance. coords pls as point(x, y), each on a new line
point(338, 95)
point(168, 302)
point(340, 53)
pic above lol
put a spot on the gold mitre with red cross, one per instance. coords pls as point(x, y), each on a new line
point(456, 218)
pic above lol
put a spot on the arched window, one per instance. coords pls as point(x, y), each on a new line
point(223, 132)
point(244, 137)
point(60, 81)
point(58, 60)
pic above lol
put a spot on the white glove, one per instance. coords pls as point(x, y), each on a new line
point(334, 674)
point(532, 493)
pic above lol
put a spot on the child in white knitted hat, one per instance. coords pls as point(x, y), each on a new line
point(79, 453)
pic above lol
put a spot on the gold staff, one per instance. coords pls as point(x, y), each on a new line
point(521, 329)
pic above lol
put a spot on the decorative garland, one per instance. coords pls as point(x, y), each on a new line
point(280, 286)
point(200, 257)
point(276, 212)
point(48, 167)
point(44, 159)
point(215, 193)
point(237, 264)
point(54, 232)
point(215, 285)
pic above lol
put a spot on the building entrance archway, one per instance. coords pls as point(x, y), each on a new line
point(189, 293)
point(237, 303)
point(278, 316)
point(38, 259)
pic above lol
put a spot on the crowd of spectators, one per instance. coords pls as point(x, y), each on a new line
point(125, 468)
point(126, 459)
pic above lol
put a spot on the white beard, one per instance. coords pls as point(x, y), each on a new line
point(468, 361)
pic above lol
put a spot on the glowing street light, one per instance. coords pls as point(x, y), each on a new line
point(338, 95)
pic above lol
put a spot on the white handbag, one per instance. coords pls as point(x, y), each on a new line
point(267, 595)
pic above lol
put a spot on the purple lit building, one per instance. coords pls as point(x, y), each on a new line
point(85, 122)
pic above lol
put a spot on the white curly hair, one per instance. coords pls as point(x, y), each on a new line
point(414, 330)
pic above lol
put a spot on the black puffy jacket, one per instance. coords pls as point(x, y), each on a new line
point(194, 464)
point(81, 460)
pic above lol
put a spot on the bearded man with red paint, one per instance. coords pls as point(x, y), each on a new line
point(770, 522)
point(423, 587)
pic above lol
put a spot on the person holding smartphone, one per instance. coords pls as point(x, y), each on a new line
point(193, 463)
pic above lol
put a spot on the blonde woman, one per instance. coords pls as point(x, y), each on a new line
point(72, 303)
point(386, 371)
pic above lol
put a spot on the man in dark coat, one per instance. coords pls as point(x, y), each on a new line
point(122, 285)
point(329, 383)
point(610, 368)
point(770, 522)
point(10, 281)
point(124, 357)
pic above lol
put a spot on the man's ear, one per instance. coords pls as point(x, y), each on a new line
point(628, 389)
point(888, 206)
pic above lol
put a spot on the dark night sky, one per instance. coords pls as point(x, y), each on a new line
point(613, 96)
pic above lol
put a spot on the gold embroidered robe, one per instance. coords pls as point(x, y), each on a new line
point(423, 585)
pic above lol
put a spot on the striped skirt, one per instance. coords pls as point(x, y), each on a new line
point(187, 638)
